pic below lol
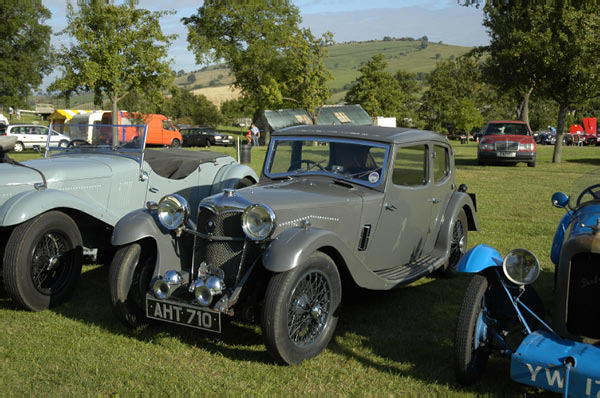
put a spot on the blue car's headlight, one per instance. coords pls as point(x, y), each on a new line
point(521, 267)
point(173, 211)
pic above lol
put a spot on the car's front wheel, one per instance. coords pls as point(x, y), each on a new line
point(129, 279)
point(42, 261)
point(175, 143)
point(299, 315)
point(471, 353)
point(19, 147)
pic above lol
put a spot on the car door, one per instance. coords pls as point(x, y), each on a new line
point(403, 228)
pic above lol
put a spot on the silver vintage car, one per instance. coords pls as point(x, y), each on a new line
point(54, 207)
point(336, 207)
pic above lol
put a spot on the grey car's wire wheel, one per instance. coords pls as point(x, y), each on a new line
point(470, 352)
point(129, 279)
point(300, 310)
point(42, 261)
point(458, 245)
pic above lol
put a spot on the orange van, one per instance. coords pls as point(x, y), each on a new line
point(161, 131)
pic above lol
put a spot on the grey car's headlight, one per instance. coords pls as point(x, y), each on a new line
point(258, 221)
point(521, 267)
point(173, 211)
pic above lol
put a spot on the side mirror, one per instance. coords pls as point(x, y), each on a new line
point(560, 200)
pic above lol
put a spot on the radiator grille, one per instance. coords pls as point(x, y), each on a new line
point(583, 311)
point(506, 146)
point(223, 254)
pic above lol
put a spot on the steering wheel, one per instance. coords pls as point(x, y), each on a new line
point(309, 164)
point(76, 142)
point(589, 190)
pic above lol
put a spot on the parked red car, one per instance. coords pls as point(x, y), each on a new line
point(507, 141)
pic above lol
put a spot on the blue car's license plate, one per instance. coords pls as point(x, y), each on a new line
point(183, 314)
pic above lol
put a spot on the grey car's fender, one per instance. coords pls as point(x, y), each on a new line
point(229, 176)
point(29, 204)
point(293, 246)
point(141, 224)
point(458, 201)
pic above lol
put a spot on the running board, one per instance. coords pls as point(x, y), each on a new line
point(412, 271)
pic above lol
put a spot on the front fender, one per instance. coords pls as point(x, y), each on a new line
point(171, 253)
point(479, 258)
point(29, 204)
point(230, 175)
point(559, 236)
point(293, 246)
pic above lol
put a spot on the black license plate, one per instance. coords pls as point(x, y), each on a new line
point(183, 314)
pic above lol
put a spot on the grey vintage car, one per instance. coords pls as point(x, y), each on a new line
point(54, 207)
point(336, 207)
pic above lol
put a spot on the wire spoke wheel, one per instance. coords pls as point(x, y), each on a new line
point(49, 262)
point(310, 305)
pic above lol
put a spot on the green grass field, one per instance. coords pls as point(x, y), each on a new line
point(396, 342)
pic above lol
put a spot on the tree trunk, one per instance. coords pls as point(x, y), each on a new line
point(524, 107)
point(115, 120)
point(562, 114)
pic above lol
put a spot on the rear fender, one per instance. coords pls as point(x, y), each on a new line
point(230, 175)
point(479, 258)
point(29, 204)
point(459, 201)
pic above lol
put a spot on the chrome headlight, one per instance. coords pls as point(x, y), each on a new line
point(173, 211)
point(521, 267)
point(258, 221)
point(526, 147)
point(486, 146)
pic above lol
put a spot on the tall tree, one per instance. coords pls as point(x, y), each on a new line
point(376, 90)
point(258, 41)
point(116, 49)
point(551, 46)
point(25, 51)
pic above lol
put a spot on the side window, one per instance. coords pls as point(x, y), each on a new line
point(410, 166)
point(441, 163)
point(167, 125)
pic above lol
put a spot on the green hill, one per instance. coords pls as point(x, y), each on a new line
point(345, 60)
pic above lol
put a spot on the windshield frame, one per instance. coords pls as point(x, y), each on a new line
point(580, 185)
point(291, 174)
point(136, 153)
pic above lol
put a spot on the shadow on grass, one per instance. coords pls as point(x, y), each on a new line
point(409, 332)
point(591, 161)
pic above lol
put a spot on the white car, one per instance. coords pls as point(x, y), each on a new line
point(32, 135)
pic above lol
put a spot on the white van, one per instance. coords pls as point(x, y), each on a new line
point(81, 125)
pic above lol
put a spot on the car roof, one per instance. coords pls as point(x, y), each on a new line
point(373, 133)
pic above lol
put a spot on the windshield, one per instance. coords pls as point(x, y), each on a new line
point(99, 138)
point(358, 161)
point(506, 129)
point(585, 189)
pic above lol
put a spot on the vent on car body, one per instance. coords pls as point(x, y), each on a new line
point(364, 237)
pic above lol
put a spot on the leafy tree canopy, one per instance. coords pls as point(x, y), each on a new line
point(24, 49)
point(117, 49)
point(185, 106)
point(270, 57)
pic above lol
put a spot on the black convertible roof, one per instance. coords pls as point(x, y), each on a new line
point(373, 133)
point(177, 164)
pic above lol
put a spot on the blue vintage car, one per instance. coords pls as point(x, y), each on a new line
point(500, 305)
point(54, 208)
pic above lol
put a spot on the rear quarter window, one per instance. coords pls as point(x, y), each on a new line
point(410, 166)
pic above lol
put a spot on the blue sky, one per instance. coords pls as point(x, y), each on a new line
point(442, 20)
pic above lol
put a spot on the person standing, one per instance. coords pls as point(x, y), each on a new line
point(255, 134)
point(10, 112)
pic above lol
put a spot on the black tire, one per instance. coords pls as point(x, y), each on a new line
point(129, 279)
point(175, 143)
point(470, 362)
point(207, 143)
point(458, 244)
point(42, 261)
point(244, 182)
point(531, 164)
point(19, 147)
point(287, 300)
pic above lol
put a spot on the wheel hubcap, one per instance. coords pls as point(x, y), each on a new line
point(309, 310)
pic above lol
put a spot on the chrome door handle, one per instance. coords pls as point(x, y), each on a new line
point(389, 207)
point(435, 200)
